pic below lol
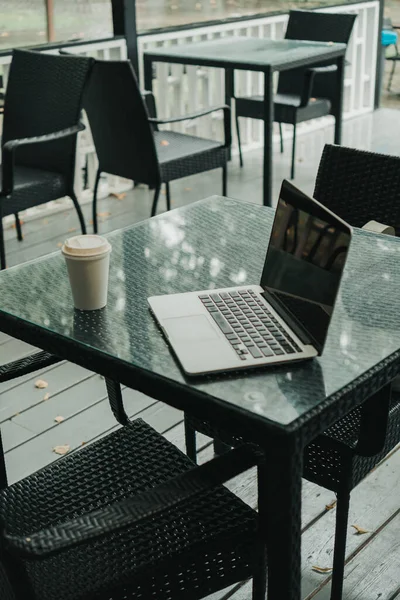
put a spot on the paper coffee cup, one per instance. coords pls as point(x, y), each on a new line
point(88, 262)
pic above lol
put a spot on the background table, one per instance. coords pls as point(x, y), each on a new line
point(214, 243)
point(252, 54)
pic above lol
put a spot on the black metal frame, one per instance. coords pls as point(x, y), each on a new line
point(124, 24)
point(282, 445)
point(337, 55)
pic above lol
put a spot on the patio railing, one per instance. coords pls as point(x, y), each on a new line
point(187, 89)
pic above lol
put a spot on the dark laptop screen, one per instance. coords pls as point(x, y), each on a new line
point(305, 261)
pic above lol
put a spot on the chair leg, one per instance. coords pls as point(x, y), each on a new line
point(2, 247)
point(220, 447)
point(281, 135)
point(18, 227)
point(260, 578)
point(190, 439)
point(168, 192)
point(292, 170)
point(225, 180)
point(94, 203)
point(79, 211)
point(155, 201)
point(239, 141)
point(391, 76)
point(339, 556)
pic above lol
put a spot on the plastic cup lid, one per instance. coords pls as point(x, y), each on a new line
point(86, 245)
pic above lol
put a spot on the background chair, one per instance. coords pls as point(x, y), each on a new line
point(358, 186)
point(305, 93)
point(129, 516)
point(41, 121)
point(127, 140)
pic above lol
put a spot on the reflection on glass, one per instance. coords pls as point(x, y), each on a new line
point(305, 261)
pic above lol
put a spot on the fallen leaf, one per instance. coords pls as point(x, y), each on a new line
point(359, 530)
point(187, 189)
point(45, 222)
point(14, 225)
point(59, 245)
point(321, 569)
point(59, 419)
point(164, 143)
point(16, 415)
point(118, 196)
point(83, 443)
point(330, 506)
point(62, 449)
point(46, 396)
point(41, 384)
point(71, 229)
point(313, 99)
point(103, 214)
point(91, 222)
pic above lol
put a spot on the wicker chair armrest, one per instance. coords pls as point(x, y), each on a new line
point(11, 146)
point(133, 510)
point(309, 76)
point(211, 109)
point(188, 117)
point(150, 103)
point(26, 365)
point(374, 421)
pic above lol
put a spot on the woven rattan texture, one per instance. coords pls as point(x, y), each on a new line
point(28, 364)
point(30, 111)
point(221, 242)
point(187, 552)
point(360, 186)
point(186, 154)
point(6, 592)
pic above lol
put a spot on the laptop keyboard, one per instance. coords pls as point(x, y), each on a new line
point(248, 324)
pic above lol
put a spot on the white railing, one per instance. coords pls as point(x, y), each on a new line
point(187, 89)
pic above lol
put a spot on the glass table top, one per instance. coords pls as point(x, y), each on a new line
point(213, 243)
point(251, 52)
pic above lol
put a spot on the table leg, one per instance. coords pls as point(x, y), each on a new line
point(339, 101)
point(148, 74)
point(229, 93)
point(268, 132)
point(280, 518)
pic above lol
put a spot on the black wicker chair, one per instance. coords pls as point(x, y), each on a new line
point(128, 142)
point(358, 186)
point(305, 93)
point(129, 517)
point(41, 122)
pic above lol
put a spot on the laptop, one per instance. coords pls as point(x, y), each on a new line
point(283, 319)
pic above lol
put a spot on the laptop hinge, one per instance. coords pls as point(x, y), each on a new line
point(291, 321)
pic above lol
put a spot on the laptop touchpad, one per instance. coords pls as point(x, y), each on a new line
point(186, 329)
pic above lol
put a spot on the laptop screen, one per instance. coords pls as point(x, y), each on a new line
point(306, 256)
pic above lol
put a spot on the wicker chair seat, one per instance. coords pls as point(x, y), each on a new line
point(332, 455)
point(181, 155)
point(286, 108)
point(33, 187)
point(185, 552)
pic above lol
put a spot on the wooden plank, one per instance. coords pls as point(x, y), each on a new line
point(68, 403)
point(13, 435)
point(14, 349)
point(372, 504)
point(23, 396)
point(374, 572)
point(87, 425)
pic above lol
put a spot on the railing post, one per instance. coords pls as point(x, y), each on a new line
point(379, 65)
point(124, 23)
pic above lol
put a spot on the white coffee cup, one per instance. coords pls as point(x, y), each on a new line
point(88, 263)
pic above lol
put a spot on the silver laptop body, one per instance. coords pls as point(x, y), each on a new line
point(285, 318)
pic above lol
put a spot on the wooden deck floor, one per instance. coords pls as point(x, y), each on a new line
point(30, 431)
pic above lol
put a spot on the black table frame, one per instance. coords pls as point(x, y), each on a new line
point(280, 517)
point(337, 55)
